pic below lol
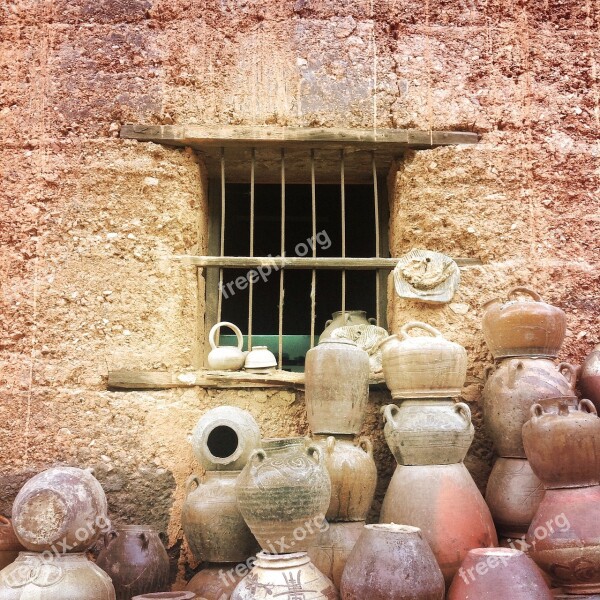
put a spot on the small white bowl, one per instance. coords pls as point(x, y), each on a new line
point(260, 357)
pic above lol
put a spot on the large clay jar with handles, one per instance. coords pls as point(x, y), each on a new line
point(523, 328)
point(9, 543)
point(590, 377)
point(444, 502)
point(136, 560)
point(424, 366)
point(562, 442)
point(512, 388)
point(212, 522)
point(336, 386)
point(392, 562)
point(283, 494)
point(428, 432)
point(353, 476)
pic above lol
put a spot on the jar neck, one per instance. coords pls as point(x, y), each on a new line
point(281, 561)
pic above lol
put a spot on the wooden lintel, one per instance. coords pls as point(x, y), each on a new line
point(278, 262)
point(200, 136)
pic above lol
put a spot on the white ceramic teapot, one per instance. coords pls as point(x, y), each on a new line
point(226, 358)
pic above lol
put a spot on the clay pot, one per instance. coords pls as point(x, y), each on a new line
point(9, 543)
point(345, 319)
point(513, 495)
point(444, 502)
point(428, 432)
point(290, 576)
point(217, 581)
point(54, 577)
point(523, 328)
point(564, 538)
point(333, 546)
point(353, 476)
point(136, 561)
point(336, 386)
point(423, 366)
point(392, 562)
point(490, 573)
point(512, 389)
point(167, 596)
point(224, 438)
point(562, 442)
point(283, 494)
point(212, 522)
point(226, 358)
point(590, 377)
point(56, 507)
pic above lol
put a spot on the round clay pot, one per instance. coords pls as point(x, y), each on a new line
point(9, 543)
point(523, 328)
point(217, 581)
point(562, 442)
point(345, 319)
point(490, 573)
point(224, 438)
point(50, 576)
point(336, 386)
point(428, 432)
point(212, 522)
point(353, 476)
point(444, 502)
point(63, 506)
point(564, 538)
point(290, 576)
point(513, 495)
point(392, 562)
point(333, 546)
point(512, 389)
point(136, 560)
point(166, 596)
point(283, 494)
point(590, 377)
point(423, 366)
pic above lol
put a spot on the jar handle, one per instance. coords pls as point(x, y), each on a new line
point(588, 405)
point(109, 537)
point(257, 457)
point(366, 444)
point(514, 367)
point(487, 372)
point(464, 411)
point(328, 323)
point(145, 540)
point(536, 411)
point(569, 372)
point(524, 290)
point(315, 453)
point(190, 481)
point(372, 321)
point(488, 303)
point(330, 444)
point(4, 520)
point(233, 327)
point(389, 412)
point(419, 325)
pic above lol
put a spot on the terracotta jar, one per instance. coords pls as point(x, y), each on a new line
point(513, 495)
point(353, 476)
point(283, 494)
point(167, 596)
point(499, 573)
point(333, 546)
point(562, 442)
point(564, 538)
point(590, 377)
point(217, 581)
point(512, 389)
point(9, 543)
point(224, 438)
point(345, 319)
point(290, 576)
point(523, 328)
point(56, 507)
point(54, 577)
point(136, 561)
point(444, 502)
point(392, 562)
point(423, 366)
point(428, 432)
point(212, 522)
point(336, 386)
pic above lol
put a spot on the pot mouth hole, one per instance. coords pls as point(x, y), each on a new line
point(223, 442)
point(393, 528)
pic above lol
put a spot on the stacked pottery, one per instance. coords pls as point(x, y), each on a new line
point(223, 440)
point(337, 392)
point(562, 442)
point(57, 516)
point(524, 338)
point(429, 434)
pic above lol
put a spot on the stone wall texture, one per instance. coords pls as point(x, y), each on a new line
point(88, 222)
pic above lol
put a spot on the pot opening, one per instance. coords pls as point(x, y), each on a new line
point(393, 528)
point(499, 552)
point(222, 442)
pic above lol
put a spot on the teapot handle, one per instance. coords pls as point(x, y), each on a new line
point(233, 327)
point(524, 290)
point(464, 411)
point(389, 412)
point(587, 406)
point(419, 325)
point(569, 372)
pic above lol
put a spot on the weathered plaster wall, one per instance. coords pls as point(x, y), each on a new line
point(88, 222)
